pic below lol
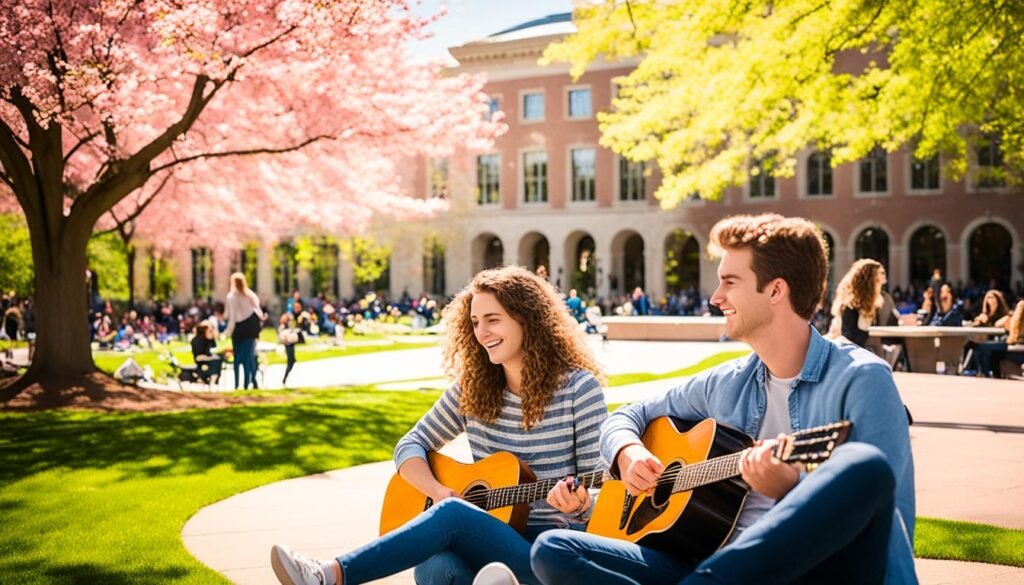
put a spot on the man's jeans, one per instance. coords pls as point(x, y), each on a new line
point(833, 527)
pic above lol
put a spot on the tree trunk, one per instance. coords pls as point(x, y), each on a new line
point(131, 274)
point(62, 348)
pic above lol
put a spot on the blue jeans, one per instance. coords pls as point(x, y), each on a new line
point(987, 355)
point(447, 544)
point(833, 527)
point(245, 358)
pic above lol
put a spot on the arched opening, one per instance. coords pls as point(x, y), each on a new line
point(682, 262)
point(991, 263)
point(873, 243)
point(927, 252)
point(488, 252)
point(433, 266)
point(535, 251)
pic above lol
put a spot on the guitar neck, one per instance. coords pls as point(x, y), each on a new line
point(531, 492)
point(809, 446)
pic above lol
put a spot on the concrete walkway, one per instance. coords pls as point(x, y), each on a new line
point(966, 441)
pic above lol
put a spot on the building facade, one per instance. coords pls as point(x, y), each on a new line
point(548, 194)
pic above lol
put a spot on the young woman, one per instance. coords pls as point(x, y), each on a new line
point(524, 382)
point(858, 297)
point(204, 344)
point(288, 336)
point(988, 354)
point(947, 311)
point(244, 320)
point(994, 311)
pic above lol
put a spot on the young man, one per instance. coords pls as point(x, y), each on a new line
point(849, 521)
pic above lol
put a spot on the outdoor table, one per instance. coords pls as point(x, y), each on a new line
point(928, 345)
point(665, 328)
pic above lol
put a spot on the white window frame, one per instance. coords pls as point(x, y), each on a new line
point(570, 180)
point(521, 106)
point(617, 181)
point(567, 102)
point(521, 168)
point(476, 182)
point(803, 169)
point(888, 177)
point(910, 190)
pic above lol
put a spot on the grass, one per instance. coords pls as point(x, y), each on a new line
point(108, 361)
point(637, 377)
point(101, 498)
point(968, 541)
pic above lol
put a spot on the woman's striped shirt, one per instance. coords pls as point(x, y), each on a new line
point(564, 442)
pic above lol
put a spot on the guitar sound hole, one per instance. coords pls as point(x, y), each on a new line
point(663, 490)
point(476, 494)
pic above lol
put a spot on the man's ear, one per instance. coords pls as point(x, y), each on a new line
point(778, 290)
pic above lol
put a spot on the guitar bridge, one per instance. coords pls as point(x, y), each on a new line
point(627, 506)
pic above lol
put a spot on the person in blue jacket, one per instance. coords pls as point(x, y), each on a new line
point(851, 520)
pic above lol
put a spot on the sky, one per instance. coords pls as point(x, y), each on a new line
point(469, 20)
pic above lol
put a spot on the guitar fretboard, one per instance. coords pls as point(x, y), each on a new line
point(811, 446)
point(528, 492)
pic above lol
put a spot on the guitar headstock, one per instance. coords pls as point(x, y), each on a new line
point(813, 446)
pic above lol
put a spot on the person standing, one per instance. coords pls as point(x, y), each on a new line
point(244, 320)
point(288, 336)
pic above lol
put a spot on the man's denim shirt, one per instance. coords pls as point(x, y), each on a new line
point(838, 381)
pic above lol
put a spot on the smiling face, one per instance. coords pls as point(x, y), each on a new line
point(496, 330)
point(747, 312)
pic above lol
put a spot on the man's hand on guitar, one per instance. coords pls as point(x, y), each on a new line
point(567, 500)
point(766, 473)
point(639, 469)
point(442, 493)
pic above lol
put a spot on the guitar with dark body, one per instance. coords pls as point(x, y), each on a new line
point(697, 500)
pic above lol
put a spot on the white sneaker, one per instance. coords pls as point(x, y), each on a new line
point(496, 574)
point(293, 568)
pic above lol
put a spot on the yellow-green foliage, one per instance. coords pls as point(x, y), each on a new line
point(722, 84)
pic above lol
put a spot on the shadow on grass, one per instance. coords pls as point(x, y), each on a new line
point(247, 438)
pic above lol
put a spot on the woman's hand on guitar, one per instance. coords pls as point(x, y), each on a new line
point(639, 468)
point(766, 473)
point(567, 500)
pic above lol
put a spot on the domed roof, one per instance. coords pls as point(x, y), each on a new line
point(552, 24)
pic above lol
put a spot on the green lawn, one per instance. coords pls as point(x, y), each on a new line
point(101, 498)
point(108, 361)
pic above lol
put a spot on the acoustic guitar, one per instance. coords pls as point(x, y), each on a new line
point(501, 484)
point(697, 500)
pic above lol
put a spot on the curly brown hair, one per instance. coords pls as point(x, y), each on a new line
point(552, 345)
point(856, 290)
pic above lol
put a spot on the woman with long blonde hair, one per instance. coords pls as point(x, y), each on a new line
point(858, 297)
point(245, 318)
point(523, 381)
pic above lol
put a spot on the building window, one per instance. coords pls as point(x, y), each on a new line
point(990, 165)
point(488, 168)
point(819, 174)
point(439, 178)
point(632, 185)
point(286, 269)
point(535, 177)
point(246, 261)
point(924, 174)
point(583, 173)
point(493, 107)
point(533, 106)
point(202, 273)
point(762, 184)
point(579, 103)
point(874, 170)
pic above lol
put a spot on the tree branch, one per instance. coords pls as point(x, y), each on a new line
point(246, 152)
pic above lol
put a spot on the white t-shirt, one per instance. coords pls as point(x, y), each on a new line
point(776, 421)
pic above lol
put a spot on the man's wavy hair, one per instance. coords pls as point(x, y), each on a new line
point(856, 289)
point(552, 345)
point(790, 248)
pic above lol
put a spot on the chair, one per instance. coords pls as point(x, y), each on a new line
point(209, 371)
point(181, 373)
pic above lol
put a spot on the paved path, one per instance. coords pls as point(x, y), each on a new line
point(966, 443)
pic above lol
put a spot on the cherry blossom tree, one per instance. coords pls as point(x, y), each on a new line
point(271, 114)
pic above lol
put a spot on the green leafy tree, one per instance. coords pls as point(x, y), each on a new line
point(16, 272)
point(721, 84)
point(108, 259)
point(318, 255)
point(370, 262)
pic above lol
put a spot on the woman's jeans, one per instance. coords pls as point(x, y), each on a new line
point(245, 358)
point(833, 527)
point(987, 356)
point(447, 544)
